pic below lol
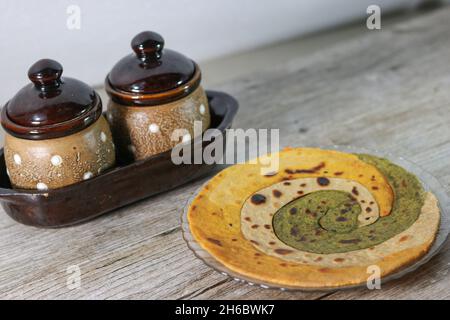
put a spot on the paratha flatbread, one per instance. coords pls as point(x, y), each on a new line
point(322, 220)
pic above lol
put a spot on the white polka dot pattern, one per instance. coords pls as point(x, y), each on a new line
point(56, 160)
point(87, 175)
point(202, 109)
point(41, 186)
point(17, 159)
point(186, 138)
point(153, 128)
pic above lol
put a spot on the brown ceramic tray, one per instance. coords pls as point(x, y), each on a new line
point(125, 184)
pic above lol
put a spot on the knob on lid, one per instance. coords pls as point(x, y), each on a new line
point(51, 106)
point(45, 73)
point(148, 45)
point(151, 75)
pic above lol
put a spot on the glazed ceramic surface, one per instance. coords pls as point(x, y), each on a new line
point(125, 183)
point(156, 98)
point(53, 163)
point(145, 131)
point(55, 133)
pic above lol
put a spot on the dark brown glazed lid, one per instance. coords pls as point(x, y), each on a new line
point(51, 106)
point(151, 75)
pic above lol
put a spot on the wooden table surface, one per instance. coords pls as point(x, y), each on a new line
point(385, 89)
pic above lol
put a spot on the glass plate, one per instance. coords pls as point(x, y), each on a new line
point(429, 182)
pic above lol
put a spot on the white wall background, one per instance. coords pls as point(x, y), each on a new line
point(202, 29)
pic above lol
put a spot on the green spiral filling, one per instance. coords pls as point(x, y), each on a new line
point(326, 221)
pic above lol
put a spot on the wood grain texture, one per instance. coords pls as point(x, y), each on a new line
point(384, 89)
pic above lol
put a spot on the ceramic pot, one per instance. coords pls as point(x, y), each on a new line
point(56, 134)
point(156, 98)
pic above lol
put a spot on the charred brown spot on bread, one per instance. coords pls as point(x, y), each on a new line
point(339, 173)
point(323, 182)
point(355, 191)
point(318, 259)
point(254, 242)
point(294, 231)
point(215, 241)
point(272, 243)
point(276, 193)
point(403, 239)
point(374, 188)
point(349, 241)
point(368, 209)
point(267, 226)
point(248, 219)
point(255, 226)
point(319, 167)
point(283, 251)
point(258, 199)
point(300, 192)
point(339, 260)
point(315, 169)
point(287, 183)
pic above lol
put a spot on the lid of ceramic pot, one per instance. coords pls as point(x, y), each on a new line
point(151, 75)
point(50, 106)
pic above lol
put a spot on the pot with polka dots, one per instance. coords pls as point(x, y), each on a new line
point(154, 92)
point(56, 134)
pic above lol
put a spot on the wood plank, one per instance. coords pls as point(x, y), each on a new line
point(383, 89)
